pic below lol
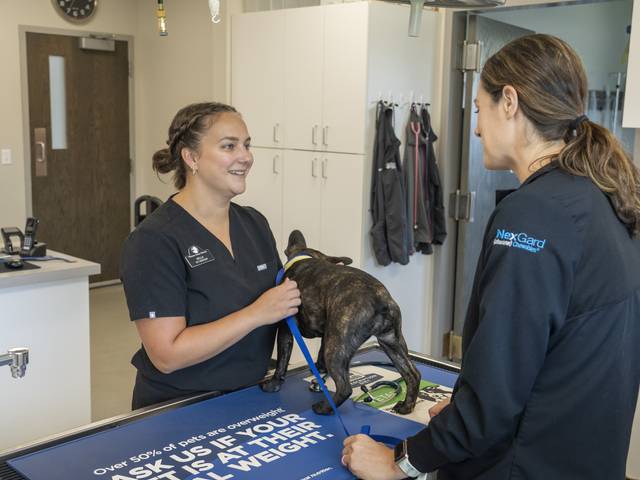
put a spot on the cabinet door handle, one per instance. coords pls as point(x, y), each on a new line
point(314, 135)
point(325, 135)
point(325, 164)
point(275, 164)
point(314, 163)
point(276, 131)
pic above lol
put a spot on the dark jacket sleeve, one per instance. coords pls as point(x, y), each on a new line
point(522, 291)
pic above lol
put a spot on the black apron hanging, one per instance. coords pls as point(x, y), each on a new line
point(389, 229)
point(432, 187)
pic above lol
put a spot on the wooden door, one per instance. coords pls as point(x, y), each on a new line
point(345, 77)
point(303, 77)
point(82, 197)
point(301, 195)
point(341, 207)
point(264, 190)
point(257, 66)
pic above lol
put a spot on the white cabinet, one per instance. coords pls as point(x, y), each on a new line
point(341, 206)
point(264, 190)
point(318, 193)
point(631, 115)
point(257, 64)
point(301, 196)
point(318, 56)
point(55, 393)
point(303, 77)
point(345, 77)
point(322, 198)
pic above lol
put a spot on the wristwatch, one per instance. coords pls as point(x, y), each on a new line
point(401, 458)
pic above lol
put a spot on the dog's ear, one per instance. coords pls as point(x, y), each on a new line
point(296, 243)
point(338, 260)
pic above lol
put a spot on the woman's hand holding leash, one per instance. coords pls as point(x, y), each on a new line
point(277, 303)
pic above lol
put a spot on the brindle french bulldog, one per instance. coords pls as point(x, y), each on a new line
point(345, 306)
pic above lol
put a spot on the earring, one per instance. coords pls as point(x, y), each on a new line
point(194, 170)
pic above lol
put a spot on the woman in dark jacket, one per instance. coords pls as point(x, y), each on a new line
point(551, 364)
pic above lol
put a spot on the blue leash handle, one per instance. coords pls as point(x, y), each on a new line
point(366, 429)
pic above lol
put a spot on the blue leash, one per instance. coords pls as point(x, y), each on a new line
point(366, 429)
point(307, 355)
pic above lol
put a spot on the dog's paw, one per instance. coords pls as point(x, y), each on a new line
point(322, 408)
point(273, 385)
point(403, 408)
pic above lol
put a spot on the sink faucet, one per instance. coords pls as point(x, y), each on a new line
point(17, 358)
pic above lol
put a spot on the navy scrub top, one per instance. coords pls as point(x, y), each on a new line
point(551, 356)
point(173, 266)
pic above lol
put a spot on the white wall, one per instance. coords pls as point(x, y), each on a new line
point(189, 65)
point(401, 64)
point(597, 31)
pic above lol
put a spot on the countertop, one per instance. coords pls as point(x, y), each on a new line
point(50, 271)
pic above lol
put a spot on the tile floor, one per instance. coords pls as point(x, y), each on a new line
point(114, 340)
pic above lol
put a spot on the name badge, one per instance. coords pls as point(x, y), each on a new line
point(261, 267)
point(196, 256)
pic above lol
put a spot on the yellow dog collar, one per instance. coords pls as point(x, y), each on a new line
point(294, 260)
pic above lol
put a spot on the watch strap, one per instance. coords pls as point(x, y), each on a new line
point(409, 470)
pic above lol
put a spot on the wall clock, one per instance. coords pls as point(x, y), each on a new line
point(76, 11)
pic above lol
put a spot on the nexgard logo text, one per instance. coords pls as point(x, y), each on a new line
point(518, 240)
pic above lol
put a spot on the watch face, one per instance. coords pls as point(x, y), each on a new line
point(76, 10)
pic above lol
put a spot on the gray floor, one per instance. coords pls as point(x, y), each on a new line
point(114, 339)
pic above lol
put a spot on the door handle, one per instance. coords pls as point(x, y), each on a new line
point(40, 150)
point(314, 135)
point(43, 152)
point(325, 135)
point(314, 163)
point(276, 132)
point(325, 164)
point(275, 164)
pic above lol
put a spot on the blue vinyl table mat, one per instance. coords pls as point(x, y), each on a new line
point(247, 434)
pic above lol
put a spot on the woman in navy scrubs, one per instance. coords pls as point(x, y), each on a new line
point(551, 364)
point(198, 273)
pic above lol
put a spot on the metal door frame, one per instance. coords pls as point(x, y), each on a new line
point(24, 85)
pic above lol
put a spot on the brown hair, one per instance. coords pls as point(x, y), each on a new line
point(551, 84)
point(186, 130)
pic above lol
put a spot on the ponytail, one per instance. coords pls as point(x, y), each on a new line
point(592, 151)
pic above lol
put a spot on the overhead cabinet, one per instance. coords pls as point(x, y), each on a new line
point(257, 65)
point(318, 56)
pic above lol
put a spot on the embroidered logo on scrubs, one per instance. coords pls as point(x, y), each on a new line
point(520, 240)
point(196, 256)
point(261, 267)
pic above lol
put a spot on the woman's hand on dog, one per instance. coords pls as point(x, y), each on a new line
point(277, 303)
point(369, 460)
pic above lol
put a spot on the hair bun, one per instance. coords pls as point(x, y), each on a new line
point(163, 162)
